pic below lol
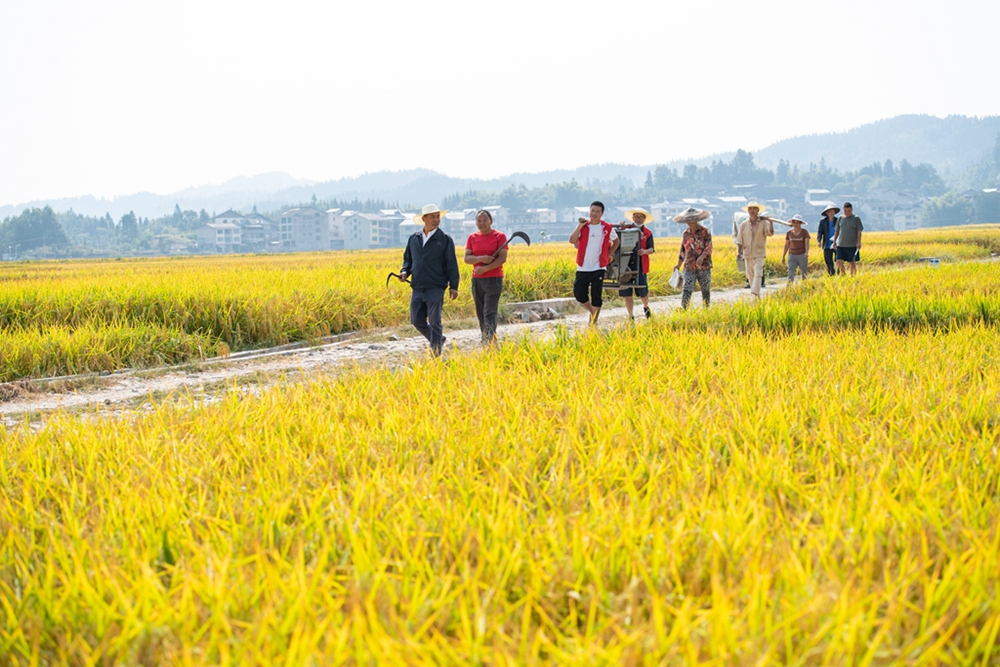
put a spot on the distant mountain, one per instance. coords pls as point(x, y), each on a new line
point(950, 144)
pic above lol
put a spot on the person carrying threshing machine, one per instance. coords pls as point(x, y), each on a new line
point(695, 256)
point(639, 261)
point(595, 241)
point(751, 242)
point(430, 259)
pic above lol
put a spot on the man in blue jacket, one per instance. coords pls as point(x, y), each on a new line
point(431, 261)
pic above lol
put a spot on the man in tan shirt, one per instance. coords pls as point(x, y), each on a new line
point(751, 241)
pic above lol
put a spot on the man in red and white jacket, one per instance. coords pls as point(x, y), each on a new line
point(595, 241)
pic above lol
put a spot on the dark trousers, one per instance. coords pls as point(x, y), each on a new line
point(425, 315)
point(592, 282)
point(828, 257)
point(486, 296)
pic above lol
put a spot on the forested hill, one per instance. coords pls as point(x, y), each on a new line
point(950, 144)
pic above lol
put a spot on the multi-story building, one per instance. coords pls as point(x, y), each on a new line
point(335, 219)
point(219, 237)
point(230, 217)
point(906, 219)
point(304, 228)
point(663, 214)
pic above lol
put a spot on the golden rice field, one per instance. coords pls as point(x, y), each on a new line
point(59, 318)
point(804, 486)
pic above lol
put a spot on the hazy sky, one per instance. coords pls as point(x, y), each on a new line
point(111, 98)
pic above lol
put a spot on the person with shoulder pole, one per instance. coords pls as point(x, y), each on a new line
point(595, 241)
point(430, 262)
point(695, 256)
point(639, 262)
point(824, 236)
point(752, 242)
point(486, 251)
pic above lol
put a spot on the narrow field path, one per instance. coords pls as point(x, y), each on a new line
point(112, 394)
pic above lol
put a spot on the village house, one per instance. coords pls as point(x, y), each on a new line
point(303, 228)
point(219, 237)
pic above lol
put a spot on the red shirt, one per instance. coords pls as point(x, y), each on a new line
point(486, 244)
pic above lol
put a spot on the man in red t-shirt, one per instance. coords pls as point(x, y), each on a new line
point(487, 272)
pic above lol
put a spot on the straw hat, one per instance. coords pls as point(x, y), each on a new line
point(831, 207)
point(760, 207)
point(692, 215)
point(430, 208)
point(649, 216)
point(797, 218)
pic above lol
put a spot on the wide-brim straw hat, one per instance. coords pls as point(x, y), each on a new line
point(692, 215)
point(649, 216)
point(430, 208)
point(831, 207)
point(796, 218)
point(760, 207)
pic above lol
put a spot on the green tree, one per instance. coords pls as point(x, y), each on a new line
point(781, 173)
point(987, 207)
point(34, 228)
point(950, 209)
point(665, 177)
point(128, 227)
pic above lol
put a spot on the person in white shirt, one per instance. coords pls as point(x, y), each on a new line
point(595, 241)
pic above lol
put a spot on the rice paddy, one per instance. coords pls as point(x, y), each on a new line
point(815, 481)
point(59, 318)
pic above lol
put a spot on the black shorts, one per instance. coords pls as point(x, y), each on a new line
point(588, 286)
point(848, 254)
point(641, 288)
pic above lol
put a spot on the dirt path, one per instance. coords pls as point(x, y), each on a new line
point(114, 393)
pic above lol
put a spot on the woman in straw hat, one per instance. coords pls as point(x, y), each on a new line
point(824, 236)
point(695, 255)
point(752, 241)
point(796, 248)
point(639, 262)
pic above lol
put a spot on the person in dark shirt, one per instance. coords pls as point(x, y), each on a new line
point(431, 261)
point(824, 236)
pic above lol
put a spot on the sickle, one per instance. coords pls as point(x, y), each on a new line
point(515, 235)
point(394, 275)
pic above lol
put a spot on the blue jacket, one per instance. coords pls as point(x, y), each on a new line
point(826, 232)
point(431, 266)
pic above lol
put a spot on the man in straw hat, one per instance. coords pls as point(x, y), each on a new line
point(640, 261)
point(595, 241)
point(824, 236)
point(430, 259)
point(752, 242)
point(796, 248)
point(847, 241)
point(695, 255)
